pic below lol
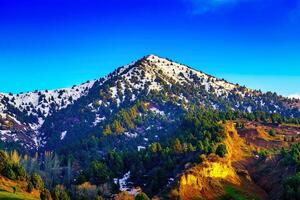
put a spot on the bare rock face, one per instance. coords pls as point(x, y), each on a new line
point(206, 179)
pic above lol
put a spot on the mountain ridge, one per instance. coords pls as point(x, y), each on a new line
point(30, 115)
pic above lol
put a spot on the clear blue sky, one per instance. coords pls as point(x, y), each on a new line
point(47, 44)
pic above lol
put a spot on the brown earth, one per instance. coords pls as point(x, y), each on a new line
point(242, 168)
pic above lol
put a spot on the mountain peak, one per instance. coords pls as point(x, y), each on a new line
point(153, 58)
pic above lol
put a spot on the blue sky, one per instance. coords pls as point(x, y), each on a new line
point(48, 44)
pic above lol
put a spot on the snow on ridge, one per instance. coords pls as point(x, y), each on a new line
point(146, 70)
point(181, 73)
point(294, 96)
point(41, 101)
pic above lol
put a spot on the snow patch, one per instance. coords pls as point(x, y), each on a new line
point(157, 111)
point(141, 148)
point(294, 96)
point(63, 135)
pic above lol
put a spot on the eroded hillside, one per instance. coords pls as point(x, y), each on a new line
point(245, 170)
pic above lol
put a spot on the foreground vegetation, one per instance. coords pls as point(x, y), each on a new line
point(89, 172)
point(4, 195)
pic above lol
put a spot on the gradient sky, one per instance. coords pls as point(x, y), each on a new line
point(48, 44)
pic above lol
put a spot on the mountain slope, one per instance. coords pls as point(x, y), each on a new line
point(21, 115)
point(49, 119)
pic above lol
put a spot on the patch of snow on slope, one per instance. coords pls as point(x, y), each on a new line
point(157, 111)
point(98, 119)
point(124, 185)
point(63, 135)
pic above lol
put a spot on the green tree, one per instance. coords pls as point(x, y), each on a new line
point(292, 188)
point(221, 150)
point(9, 173)
point(99, 172)
point(37, 181)
point(107, 130)
point(272, 132)
point(64, 195)
point(29, 187)
point(117, 127)
point(177, 146)
point(141, 196)
point(3, 160)
point(115, 162)
point(45, 195)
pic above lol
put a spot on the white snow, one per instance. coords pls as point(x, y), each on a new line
point(136, 77)
point(98, 119)
point(123, 181)
point(41, 101)
point(249, 109)
point(141, 148)
point(124, 185)
point(157, 111)
point(5, 132)
point(63, 135)
point(294, 96)
point(131, 135)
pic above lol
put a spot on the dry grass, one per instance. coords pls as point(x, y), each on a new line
point(7, 191)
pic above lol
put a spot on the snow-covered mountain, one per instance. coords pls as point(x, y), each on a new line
point(47, 118)
point(26, 112)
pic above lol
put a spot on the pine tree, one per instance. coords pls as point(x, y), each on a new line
point(15, 157)
point(177, 146)
point(107, 130)
point(117, 127)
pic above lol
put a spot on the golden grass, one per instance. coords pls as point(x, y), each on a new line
point(7, 191)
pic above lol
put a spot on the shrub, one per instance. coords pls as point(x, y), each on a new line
point(29, 187)
point(86, 190)
point(58, 193)
point(292, 187)
point(263, 154)
point(272, 132)
point(9, 173)
point(141, 196)
point(99, 172)
point(45, 195)
point(19, 171)
point(37, 181)
point(64, 195)
point(221, 150)
point(3, 160)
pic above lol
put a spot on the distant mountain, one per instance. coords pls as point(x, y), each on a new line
point(45, 120)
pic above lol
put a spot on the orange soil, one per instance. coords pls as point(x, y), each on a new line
point(207, 180)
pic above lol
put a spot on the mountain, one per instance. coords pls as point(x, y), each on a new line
point(48, 119)
point(153, 126)
point(22, 115)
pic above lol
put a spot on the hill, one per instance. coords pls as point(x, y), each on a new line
point(155, 126)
